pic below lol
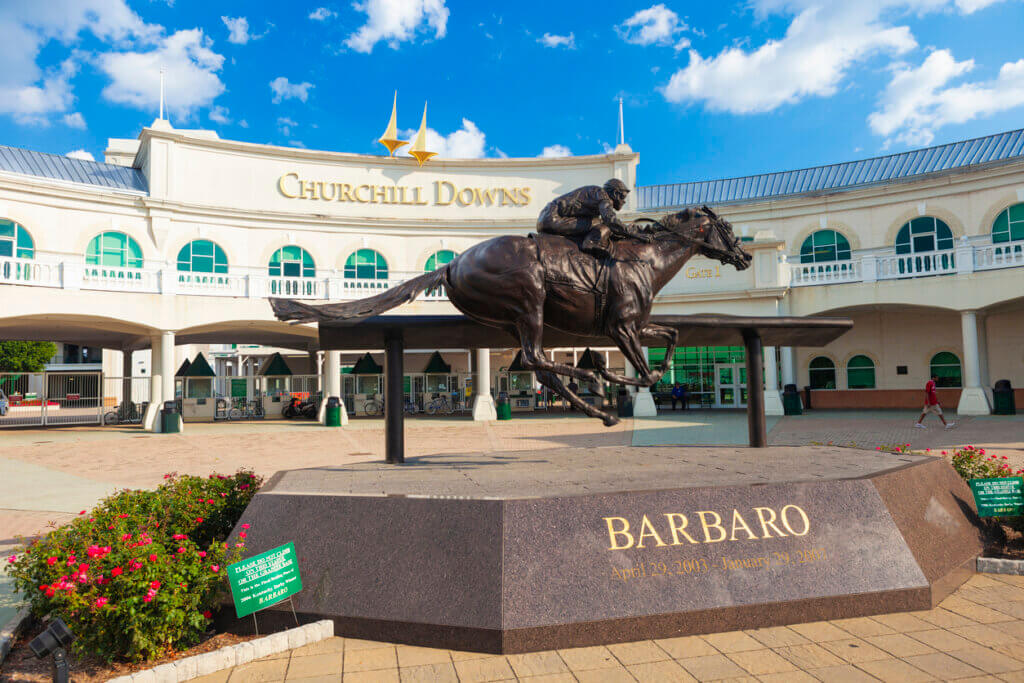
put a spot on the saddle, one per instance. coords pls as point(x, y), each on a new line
point(566, 266)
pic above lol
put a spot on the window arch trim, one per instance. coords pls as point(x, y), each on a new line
point(15, 240)
point(291, 261)
point(113, 248)
point(825, 246)
point(209, 257)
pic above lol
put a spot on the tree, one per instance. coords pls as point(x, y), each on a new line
point(25, 356)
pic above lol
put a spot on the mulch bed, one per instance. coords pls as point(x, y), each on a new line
point(1003, 541)
point(21, 665)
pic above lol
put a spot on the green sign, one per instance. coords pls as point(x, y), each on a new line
point(999, 497)
point(239, 388)
point(264, 580)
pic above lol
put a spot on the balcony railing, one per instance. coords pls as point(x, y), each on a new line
point(967, 256)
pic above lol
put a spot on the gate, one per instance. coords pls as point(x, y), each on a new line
point(36, 399)
point(125, 400)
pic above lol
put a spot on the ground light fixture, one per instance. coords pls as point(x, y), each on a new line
point(52, 641)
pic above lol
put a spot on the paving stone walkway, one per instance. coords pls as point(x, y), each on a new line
point(976, 634)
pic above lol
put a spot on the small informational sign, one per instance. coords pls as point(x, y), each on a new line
point(999, 497)
point(74, 397)
point(264, 580)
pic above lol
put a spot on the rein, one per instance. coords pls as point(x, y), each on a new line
point(667, 233)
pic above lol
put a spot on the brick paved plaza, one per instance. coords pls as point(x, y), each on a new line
point(50, 475)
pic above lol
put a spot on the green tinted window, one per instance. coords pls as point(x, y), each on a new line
point(15, 240)
point(438, 259)
point(1009, 225)
point(113, 249)
point(822, 373)
point(824, 246)
point(860, 373)
point(202, 256)
point(292, 261)
point(923, 234)
point(945, 366)
point(366, 264)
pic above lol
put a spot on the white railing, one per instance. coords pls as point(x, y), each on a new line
point(295, 287)
point(113, 279)
point(209, 284)
point(992, 256)
point(825, 273)
point(20, 271)
point(897, 266)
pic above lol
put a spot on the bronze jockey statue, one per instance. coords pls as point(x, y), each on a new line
point(587, 216)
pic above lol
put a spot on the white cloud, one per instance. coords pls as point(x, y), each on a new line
point(322, 14)
point(397, 21)
point(285, 90)
point(468, 142)
point(656, 25)
point(556, 151)
point(239, 29)
point(74, 120)
point(552, 40)
point(28, 92)
point(243, 124)
point(285, 125)
point(219, 114)
point(917, 102)
point(80, 154)
point(191, 78)
point(823, 41)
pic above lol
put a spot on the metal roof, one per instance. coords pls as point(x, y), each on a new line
point(59, 167)
point(999, 148)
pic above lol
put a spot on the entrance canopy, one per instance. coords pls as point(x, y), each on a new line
point(437, 366)
point(425, 331)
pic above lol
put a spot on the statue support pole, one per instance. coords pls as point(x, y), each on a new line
point(394, 394)
point(756, 422)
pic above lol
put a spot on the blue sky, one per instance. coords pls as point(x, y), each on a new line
point(710, 90)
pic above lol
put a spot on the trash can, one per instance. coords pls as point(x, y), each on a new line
point(807, 398)
point(503, 407)
point(332, 416)
point(170, 419)
point(1002, 398)
point(624, 403)
point(791, 400)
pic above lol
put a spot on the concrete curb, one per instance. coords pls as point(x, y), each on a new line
point(997, 565)
point(232, 655)
point(10, 631)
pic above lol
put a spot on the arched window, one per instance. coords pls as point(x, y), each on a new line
point(366, 264)
point(15, 240)
point(824, 246)
point(114, 249)
point(945, 366)
point(438, 259)
point(922, 235)
point(860, 373)
point(292, 262)
point(823, 373)
point(202, 256)
point(1009, 225)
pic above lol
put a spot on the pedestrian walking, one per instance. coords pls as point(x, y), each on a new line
point(931, 405)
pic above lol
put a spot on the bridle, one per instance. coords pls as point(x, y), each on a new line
point(715, 223)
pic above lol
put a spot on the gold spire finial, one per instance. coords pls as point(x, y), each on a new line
point(419, 145)
point(390, 137)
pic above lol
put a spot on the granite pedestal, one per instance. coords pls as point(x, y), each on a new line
point(536, 550)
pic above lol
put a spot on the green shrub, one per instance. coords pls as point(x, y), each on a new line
point(973, 463)
point(139, 575)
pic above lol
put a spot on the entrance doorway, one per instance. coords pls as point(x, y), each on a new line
point(730, 385)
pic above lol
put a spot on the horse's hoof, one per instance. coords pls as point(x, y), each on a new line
point(610, 420)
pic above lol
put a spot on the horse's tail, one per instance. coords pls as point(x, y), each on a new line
point(296, 311)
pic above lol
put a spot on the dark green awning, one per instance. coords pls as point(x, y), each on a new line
point(436, 365)
point(517, 364)
point(183, 369)
point(199, 368)
point(276, 367)
point(367, 366)
point(587, 361)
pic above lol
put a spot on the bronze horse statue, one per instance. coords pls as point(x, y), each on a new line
point(547, 280)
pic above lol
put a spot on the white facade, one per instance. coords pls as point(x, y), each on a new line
point(964, 296)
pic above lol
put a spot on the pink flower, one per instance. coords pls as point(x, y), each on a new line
point(82, 512)
point(126, 537)
point(245, 526)
point(117, 571)
point(202, 553)
point(134, 565)
point(152, 558)
point(12, 559)
point(215, 568)
point(242, 535)
point(155, 585)
point(51, 561)
point(100, 602)
point(199, 520)
point(178, 537)
point(208, 614)
point(181, 550)
point(210, 501)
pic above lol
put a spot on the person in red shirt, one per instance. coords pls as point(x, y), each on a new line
point(931, 405)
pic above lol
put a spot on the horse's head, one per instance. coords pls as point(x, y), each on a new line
point(712, 235)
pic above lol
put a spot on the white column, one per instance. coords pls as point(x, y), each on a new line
point(483, 402)
point(332, 385)
point(788, 366)
point(973, 400)
point(152, 422)
point(167, 365)
point(986, 379)
point(631, 373)
point(772, 397)
point(643, 403)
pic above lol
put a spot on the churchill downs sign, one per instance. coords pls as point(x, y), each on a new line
point(441, 193)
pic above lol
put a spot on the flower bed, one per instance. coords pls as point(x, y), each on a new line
point(138, 577)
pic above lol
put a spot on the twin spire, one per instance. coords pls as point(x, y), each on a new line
point(419, 145)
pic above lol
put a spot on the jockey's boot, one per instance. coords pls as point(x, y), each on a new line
point(598, 242)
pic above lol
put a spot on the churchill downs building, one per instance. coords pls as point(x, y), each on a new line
point(172, 248)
